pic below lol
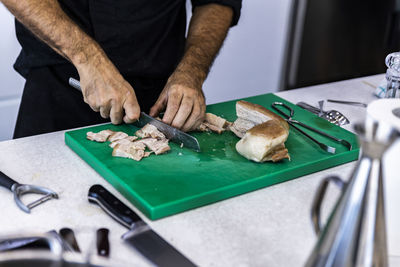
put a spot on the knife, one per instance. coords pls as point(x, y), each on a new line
point(31, 242)
point(140, 235)
point(172, 133)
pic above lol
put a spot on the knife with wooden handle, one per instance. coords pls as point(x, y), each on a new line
point(173, 134)
point(140, 236)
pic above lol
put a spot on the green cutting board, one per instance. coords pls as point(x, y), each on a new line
point(183, 179)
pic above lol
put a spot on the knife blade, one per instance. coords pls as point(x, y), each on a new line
point(173, 134)
point(9, 244)
point(31, 242)
point(140, 236)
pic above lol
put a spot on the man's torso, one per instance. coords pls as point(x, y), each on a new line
point(143, 38)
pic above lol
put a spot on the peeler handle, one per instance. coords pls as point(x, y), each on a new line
point(6, 181)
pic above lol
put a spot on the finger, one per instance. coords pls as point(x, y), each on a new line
point(89, 96)
point(91, 101)
point(94, 107)
point(194, 119)
point(202, 115)
point(116, 113)
point(105, 110)
point(173, 103)
point(132, 109)
point(158, 106)
point(183, 113)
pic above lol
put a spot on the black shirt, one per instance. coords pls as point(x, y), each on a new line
point(143, 38)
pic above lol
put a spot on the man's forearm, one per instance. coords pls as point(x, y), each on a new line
point(207, 31)
point(182, 97)
point(103, 87)
point(48, 22)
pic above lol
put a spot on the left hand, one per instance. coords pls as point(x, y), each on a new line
point(184, 105)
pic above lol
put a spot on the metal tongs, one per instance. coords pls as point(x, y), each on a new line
point(22, 189)
point(292, 122)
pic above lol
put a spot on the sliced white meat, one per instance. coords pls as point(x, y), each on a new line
point(214, 124)
point(214, 128)
point(216, 120)
point(147, 153)
point(157, 146)
point(241, 126)
point(117, 136)
point(202, 128)
point(100, 137)
point(131, 138)
point(150, 131)
point(125, 141)
point(131, 151)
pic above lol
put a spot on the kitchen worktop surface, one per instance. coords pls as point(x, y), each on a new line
point(267, 227)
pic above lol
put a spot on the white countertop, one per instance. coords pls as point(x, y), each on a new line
point(267, 227)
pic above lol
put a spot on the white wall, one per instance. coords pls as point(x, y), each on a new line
point(249, 63)
point(251, 58)
point(11, 83)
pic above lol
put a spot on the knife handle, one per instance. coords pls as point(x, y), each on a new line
point(103, 245)
point(75, 83)
point(6, 181)
point(113, 206)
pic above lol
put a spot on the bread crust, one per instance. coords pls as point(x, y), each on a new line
point(264, 111)
point(269, 129)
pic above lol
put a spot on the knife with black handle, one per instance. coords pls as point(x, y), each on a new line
point(140, 235)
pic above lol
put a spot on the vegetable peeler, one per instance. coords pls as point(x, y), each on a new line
point(22, 189)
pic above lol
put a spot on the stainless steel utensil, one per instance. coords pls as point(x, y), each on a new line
point(68, 237)
point(51, 254)
point(332, 116)
point(140, 235)
point(292, 122)
point(355, 233)
point(172, 133)
point(353, 103)
point(22, 189)
point(18, 243)
point(308, 107)
point(321, 108)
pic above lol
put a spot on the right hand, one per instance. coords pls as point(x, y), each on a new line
point(106, 91)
